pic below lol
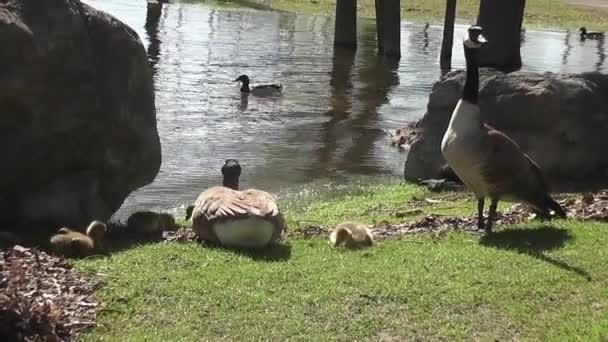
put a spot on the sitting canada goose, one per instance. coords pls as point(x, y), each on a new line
point(233, 218)
point(72, 243)
point(591, 35)
point(260, 89)
point(487, 161)
point(352, 235)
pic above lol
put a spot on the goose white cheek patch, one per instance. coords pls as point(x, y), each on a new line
point(471, 44)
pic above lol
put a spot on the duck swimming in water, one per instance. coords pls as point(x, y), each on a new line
point(591, 35)
point(260, 89)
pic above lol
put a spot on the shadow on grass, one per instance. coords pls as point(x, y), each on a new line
point(534, 242)
point(273, 253)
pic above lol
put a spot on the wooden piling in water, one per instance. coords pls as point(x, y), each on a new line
point(345, 34)
point(391, 27)
point(501, 22)
point(448, 36)
point(380, 25)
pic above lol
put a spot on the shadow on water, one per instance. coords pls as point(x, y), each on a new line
point(534, 242)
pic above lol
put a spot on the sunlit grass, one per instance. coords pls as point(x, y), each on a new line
point(553, 14)
point(533, 281)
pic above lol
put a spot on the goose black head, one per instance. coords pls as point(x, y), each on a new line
point(475, 38)
point(231, 172)
point(583, 30)
point(242, 78)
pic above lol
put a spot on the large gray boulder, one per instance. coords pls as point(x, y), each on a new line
point(77, 115)
point(560, 120)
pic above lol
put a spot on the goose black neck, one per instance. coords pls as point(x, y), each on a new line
point(470, 93)
point(231, 182)
point(245, 87)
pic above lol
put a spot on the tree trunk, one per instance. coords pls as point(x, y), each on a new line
point(345, 33)
point(391, 27)
point(380, 25)
point(501, 22)
point(448, 35)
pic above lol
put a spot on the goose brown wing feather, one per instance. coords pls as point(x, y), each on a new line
point(219, 202)
point(507, 169)
point(260, 203)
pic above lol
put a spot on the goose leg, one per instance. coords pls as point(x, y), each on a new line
point(491, 214)
point(480, 204)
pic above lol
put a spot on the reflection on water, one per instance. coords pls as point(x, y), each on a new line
point(153, 13)
point(568, 48)
point(601, 55)
point(335, 103)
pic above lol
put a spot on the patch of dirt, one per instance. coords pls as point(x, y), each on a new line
point(588, 206)
point(181, 235)
point(42, 298)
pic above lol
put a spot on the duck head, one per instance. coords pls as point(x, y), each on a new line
point(242, 78)
point(474, 38)
point(231, 172)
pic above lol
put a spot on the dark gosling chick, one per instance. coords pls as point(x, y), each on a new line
point(75, 244)
point(151, 224)
point(487, 161)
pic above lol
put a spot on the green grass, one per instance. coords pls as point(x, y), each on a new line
point(555, 14)
point(529, 282)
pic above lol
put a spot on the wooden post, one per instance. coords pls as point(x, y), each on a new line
point(501, 22)
point(448, 35)
point(345, 33)
point(380, 25)
point(392, 27)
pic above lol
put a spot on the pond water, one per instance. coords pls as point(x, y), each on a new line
point(328, 122)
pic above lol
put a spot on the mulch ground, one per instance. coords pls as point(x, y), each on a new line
point(42, 298)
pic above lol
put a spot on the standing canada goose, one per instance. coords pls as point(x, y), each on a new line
point(591, 35)
point(260, 89)
point(351, 235)
point(233, 218)
point(487, 161)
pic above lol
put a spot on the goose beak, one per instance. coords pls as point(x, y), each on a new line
point(481, 39)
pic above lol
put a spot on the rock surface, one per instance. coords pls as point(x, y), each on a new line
point(560, 120)
point(78, 121)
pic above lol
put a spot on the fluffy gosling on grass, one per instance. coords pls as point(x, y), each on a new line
point(351, 235)
point(75, 244)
